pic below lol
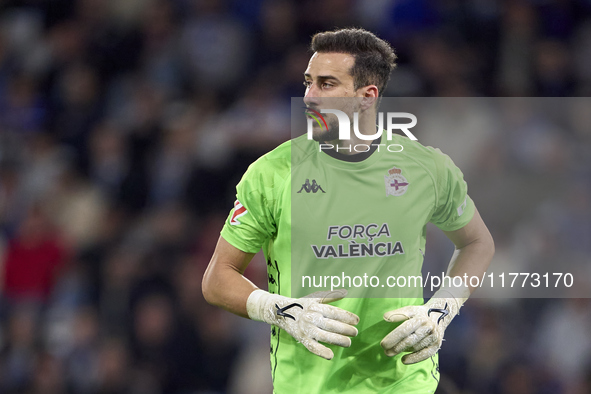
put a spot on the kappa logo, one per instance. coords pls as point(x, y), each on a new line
point(239, 210)
point(396, 183)
point(311, 187)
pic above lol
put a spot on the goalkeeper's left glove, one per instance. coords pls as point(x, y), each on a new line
point(421, 332)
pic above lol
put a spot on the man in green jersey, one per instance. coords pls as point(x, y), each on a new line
point(322, 202)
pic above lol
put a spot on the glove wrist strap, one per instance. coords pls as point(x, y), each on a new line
point(449, 298)
point(260, 306)
point(255, 304)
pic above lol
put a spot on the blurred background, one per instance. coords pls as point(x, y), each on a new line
point(126, 124)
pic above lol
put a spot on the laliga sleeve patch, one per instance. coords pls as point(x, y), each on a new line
point(462, 207)
point(239, 210)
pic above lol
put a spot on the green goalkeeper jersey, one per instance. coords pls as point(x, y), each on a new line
point(322, 217)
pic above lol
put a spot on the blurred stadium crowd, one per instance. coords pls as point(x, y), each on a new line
point(125, 126)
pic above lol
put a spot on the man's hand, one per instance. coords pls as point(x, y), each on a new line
point(423, 326)
point(309, 320)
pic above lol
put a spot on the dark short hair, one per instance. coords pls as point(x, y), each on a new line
point(374, 58)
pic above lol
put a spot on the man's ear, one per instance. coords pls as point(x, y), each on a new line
point(369, 95)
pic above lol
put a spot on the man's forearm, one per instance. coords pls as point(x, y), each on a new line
point(474, 249)
point(472, 260)
point(216, 285)
point(223, 283)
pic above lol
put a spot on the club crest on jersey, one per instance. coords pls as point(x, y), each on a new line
point(396, 183)
point(239, 210)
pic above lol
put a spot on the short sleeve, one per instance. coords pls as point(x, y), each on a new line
point(251, 223)
point(454, 208)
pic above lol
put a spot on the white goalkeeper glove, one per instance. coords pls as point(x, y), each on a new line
point(421, 332)
point(309, 320)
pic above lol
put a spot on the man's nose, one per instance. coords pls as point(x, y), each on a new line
point(311, 97)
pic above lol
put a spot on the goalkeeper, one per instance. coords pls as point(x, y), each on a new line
point(327, 342)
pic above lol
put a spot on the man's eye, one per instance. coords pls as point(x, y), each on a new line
point(307, 84)
point(327, 85)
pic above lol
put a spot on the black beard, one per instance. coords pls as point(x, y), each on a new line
point(328, 135)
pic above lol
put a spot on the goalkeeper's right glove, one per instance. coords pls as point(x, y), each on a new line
point(306, 319)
